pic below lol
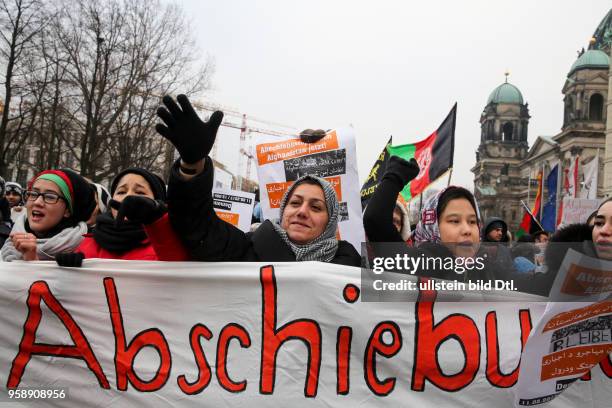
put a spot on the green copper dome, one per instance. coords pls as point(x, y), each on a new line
point(591, 59)
point(506, 93)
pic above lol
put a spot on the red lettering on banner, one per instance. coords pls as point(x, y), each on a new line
point(606, 366)
point(305, 330)
point(28, 347)
point(204, 375)
point(429, 337)
point(494, 374)
point(229, 332)
point(343, 362)
point(376, 345)
point(125, 354)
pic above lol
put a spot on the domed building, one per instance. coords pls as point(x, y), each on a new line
point(506, 168)
point(503, 146)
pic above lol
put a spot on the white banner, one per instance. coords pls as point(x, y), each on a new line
point(234, 207)
point(148, 334)
point(573, 335)
point(281, 162)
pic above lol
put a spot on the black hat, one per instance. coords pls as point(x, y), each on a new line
point(158, 187)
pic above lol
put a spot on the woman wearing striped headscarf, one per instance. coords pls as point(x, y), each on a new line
point(58, 202)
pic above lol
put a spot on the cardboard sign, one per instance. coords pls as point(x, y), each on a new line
point(234, 207)
point(281, 162)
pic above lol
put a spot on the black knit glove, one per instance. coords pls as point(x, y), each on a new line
point(70, 260)
point(139, 209)
point(183, 128)
point(400, 170)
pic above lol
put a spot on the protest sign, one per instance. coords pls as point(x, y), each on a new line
point(574, 333)
point(148, 334)
point(577, 210)
point(281, 162)
point(234, 207)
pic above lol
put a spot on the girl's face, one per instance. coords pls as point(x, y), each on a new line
point(458, 226)
point(305, 215)
point(602, 231)
point(44, 215)
point(131, 184)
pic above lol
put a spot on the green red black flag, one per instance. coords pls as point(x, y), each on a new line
point(434, 155)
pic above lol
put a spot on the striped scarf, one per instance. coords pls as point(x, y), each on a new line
point(324, 247)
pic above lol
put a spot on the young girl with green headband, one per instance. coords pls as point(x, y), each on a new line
point(58, 202)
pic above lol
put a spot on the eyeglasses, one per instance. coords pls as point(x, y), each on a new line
point(49, 198)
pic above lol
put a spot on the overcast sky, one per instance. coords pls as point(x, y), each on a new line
point(389, 67)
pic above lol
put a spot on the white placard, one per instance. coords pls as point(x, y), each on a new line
point(281, 161)
point(234, 207)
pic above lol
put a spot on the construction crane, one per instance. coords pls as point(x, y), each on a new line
point(246, 147)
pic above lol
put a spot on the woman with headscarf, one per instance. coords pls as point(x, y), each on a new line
point(449, 226)
point(58, 202)
point(591, 240)
point(305, 231)
point(136, 225)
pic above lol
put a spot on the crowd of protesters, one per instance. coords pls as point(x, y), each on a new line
point(62, 216)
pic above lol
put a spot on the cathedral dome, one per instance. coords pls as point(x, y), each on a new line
point(591, 59)
point(506, 93)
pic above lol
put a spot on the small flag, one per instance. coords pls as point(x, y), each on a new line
point(434, 155)
point(529, 223)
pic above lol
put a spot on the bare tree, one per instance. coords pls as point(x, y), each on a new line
point(20, 22)
point(119, 57)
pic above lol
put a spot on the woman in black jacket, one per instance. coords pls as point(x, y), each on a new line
point(594, 241)
point(448, 227)
point(309, 210)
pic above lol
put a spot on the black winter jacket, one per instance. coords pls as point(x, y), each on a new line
point(208, 238)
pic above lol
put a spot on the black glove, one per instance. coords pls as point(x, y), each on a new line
point(312, 136)
point(139, 209)
point(183, 128)
point(401, 170)
point(71, 260)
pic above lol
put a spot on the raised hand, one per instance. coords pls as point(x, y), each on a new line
point(139, 209)
point(192, 137)
point(402, 170)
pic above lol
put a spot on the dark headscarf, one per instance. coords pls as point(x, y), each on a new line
point(126, 235)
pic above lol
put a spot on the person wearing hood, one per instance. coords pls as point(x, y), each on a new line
point(449, 224)
point(495, 230)
point(309, 209)
point(134, 227)
point(14, 195)
point(58, 202)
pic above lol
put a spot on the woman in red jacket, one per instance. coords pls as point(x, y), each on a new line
point(136, 227)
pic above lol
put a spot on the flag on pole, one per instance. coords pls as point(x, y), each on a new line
point(529, 223)
point(550, 208)
point(376, 174)
point(572, 178)
point(590, 170)
point(434, 155)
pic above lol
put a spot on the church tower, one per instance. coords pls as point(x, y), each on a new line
point(503, 145)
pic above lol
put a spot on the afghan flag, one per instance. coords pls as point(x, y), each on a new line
point(375, 176)
point(530, 224)
point(434, 155)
